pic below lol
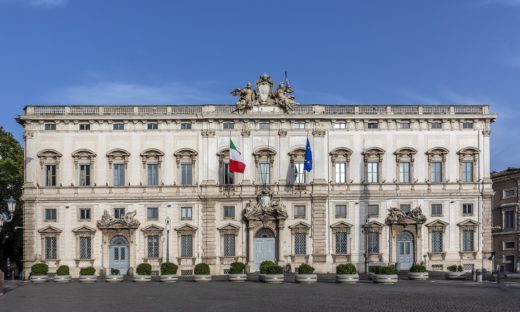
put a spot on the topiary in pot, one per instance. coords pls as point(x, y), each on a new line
point(385, 275)
point(237, 268)
point(63, 270)
point(144, 269)
point(202, 273)
point(305, 269)
point(274, 269)
point(386, 270)
point(418, 272)
point(418, 268)
point(347, 273)
point(305, 274)
point(88, 271)
point(114, 271)
point(455, 268)
point(264, 266)
point(455, 272)
point(347, 268)
point(39, 269)
point(274, 274)
point(168, 268)
point(114, 276)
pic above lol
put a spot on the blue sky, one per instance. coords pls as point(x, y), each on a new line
point(184, 52)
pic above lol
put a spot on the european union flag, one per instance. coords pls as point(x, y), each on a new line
point(308, 157)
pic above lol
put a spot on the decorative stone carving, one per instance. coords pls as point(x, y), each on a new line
point(397, 216)
point(282, 132)
point(83, 154)
point(152, 156)
point(109, 222)
point(246, 132)
point(319, 132)
point(206, 133)
point(265, 208)
point(49, 156)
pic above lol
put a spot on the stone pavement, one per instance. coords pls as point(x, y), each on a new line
point(435, 295)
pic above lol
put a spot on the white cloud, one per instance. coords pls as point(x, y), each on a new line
point(39, 3)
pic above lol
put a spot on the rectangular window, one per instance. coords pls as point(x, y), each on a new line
point(50, 175)
point(509, 245)
point(405, 124)
point(185, 125)
point(186, 246)
point(51, 248)
point(509, 219)
point(406, 208)
point(229, 245)
point(300, 244)
point(437, 241)
point(152, 126)
point(84, 214)
point(153, 246)
point(373, 242)
point(467, 240)
point(51, 214)
point(436, 171)
point(467, 125)
point(84, 127)
point(372, 172)
point(373, 125)
point(227, 177)
point(118, 126)
point(85, 247)
point(467, 171)
point(373, 211)
point(84, 175)
point(264, 125)
point(299, 211)
point(467, 209)
point(186, 213)
point(265, 172)
point(298, 125)
point(340, 125)
point(153, 174)
point(229, 212)
point(152, 213)
point(509, 193)
point(119, 174)
point(404, 172)
point(341, 172)
point(436, 125)
point(299, 173)
point(229, 125)
point(341, 211)
point(341, 243)
point(119, 213)
point(437, 210)
point(186, 174)
point(50, 126)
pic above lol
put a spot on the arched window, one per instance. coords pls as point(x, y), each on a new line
point(340, 159)
point(50, 166)
point(84, 161)
point(264, 160)
point(226, 177)
point(437, 164)
point(468, 160)
point(117, 165)
point(404, 158)
point(152, 159)
point(373, 159)
point(186, 159)
point(297, 172)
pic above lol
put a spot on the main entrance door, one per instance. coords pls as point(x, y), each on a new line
point(265, 247)
point(405, 250)
point(119, 254)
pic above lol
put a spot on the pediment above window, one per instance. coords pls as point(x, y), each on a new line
point(340, 153)
point(437, 153)
point(152, 155)
point(373, 153)
point(373, 226)
point(153, 229)
point(49, 155)
point(470, 224)
point(405, 153)
point(229, 229)
point(185, 154)
point(118, 155)
point(186, 229)
point(297, 154)
point(437, 225)
point(83, 154)
point(84, 230)
point(265, 153)
point(300, 227)
point(468, 153)
point(49, 230)
point(341, 226)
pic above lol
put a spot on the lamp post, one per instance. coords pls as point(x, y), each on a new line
point(4, 217)
point(168, 225)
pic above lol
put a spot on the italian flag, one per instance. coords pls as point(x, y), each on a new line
point(236, 163)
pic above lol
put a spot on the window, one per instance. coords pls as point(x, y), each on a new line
point(467, 125)
point(227, 177)
point(405, 208)
point(186, 213)
point(405, 124)
point(229, 212)
point(84, 127)
point(50, 126)
point(467, 209)
point(373, 211)
point(437, 210)
point(51, 214)
point(186, 174)
point(299, 173)
point(340, 125)
point(372, 171)
point(152, 126)
point(265, 172)
point(509, 193)
point(153, 174)
point(186, 245)
point(152, 213)
point(467, 240)
point(185, 125)
point(404, 172)
point(299, 211)
point(153, 246)
point(509, 245)
point(467, 171)
point(341, 172)
point(51, 250)
point(229, 125)
point(299, 125)
point(436, 171)
point(50, 175)
point(84, 214)
point(119, 213)
point(84, 175)
point(229, 245)
point(437, 241)
point(341, 243)
point(436, 125)
point(373, 125)
point(119, 174)
point(85, 247)
point(264, 125)
point(118, 126)
point(341, 211)
point(373, 242)
point(509, 219)
point(300, 244)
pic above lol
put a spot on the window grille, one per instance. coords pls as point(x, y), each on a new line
point(341, 243)
point(186, 246)
point(468, 266)
point(51, 248)
point(373, 242)
point(467, 240)
point(229, 245)
point(437, 241)
point(85, 248)
point(437, 267)
point(153, 246)
point(300, 244)
point(186, 272)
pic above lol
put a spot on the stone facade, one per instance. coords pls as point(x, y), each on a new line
point(354, 205)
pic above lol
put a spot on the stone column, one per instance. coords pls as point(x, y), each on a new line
point(209, 232)
point(319, 234)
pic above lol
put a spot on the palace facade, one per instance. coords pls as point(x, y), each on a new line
point(115, 186)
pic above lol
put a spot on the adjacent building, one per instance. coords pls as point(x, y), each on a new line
point(115, 186)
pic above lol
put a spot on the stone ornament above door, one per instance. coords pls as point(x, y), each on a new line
point(397, 216)
point(127, 222)
point(265, 208)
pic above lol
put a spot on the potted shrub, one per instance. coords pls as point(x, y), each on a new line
point(263, 268)
point(385, 275)
point(62, 274)
point(347, 273)
point(418, 272)
point(114, 276)
point(202, 273)
point(274, 274)
point(168, 272)
point(455, 272)
point(144, 273)
point(39, 273)
point(237, 272)
point(87, 275)
point(305, 274)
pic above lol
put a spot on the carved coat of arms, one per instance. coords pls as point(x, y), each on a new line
point(265, 208)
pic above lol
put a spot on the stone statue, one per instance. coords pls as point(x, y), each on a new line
point(265, 210)
point(247, 97)
point(283, 97)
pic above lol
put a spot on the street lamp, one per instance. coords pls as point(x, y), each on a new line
point(4, 217)
point(168, 226)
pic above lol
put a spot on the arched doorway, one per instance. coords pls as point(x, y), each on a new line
point(405, 250)
point(265, 247)
point(119, 256)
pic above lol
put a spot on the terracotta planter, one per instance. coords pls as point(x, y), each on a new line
point(273, 278)
point(347, 278)
point(418, 276)
point(202, 278)
point(385, 278)
point(62, 278)
point(307, 278)
point(38, 279)
point(113, 278)
point(142, 278)
point(87, 278)
point(169, 278)
point(237, 277)
point(455, 275)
